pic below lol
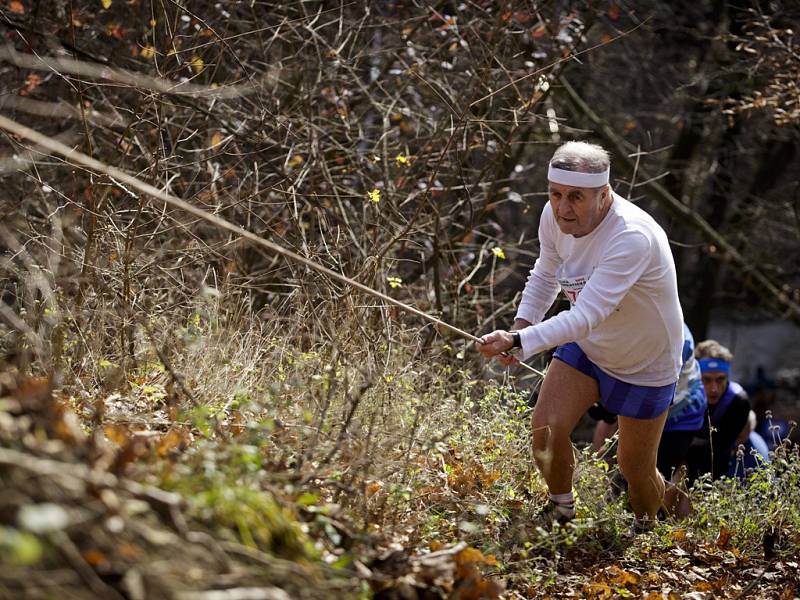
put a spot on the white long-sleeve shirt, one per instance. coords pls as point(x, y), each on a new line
point(621, 283)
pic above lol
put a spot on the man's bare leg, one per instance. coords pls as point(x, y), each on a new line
point(636, 457)
point(684, 508)
point(672, 492)
point(676, 498)
point(602, 432)
point(566, 394)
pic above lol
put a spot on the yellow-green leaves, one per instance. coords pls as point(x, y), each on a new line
point(197, 64)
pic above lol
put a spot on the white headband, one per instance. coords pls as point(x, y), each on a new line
point(577, 179)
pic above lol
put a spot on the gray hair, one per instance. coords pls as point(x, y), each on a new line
point(582, 157)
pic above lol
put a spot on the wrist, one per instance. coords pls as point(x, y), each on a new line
point(516, 341)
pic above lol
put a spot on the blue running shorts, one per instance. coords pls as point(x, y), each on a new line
point(619, 397)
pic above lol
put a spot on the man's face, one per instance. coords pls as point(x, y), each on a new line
point(578, 211)
point(715, 384)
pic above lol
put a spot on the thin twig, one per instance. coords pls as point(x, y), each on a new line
point(85, 69)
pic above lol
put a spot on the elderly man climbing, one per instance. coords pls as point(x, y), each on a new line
point(620, 341)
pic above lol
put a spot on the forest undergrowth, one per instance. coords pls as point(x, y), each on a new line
point(231, 455)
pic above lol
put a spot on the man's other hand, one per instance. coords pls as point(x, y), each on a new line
point(507, 360)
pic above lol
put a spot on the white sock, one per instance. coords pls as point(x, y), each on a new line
point(565, 503)
point(567, 499)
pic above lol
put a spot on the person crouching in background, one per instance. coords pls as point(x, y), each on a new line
point(726, 416)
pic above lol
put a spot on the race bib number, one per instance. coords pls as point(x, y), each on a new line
point(572, 286)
